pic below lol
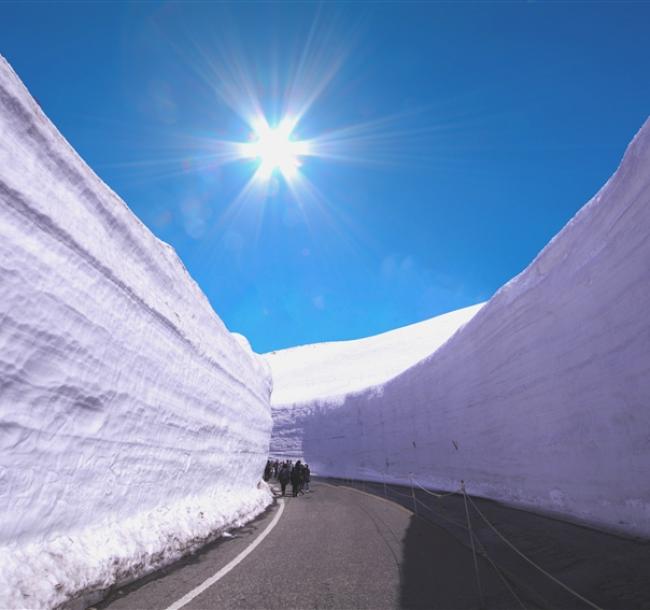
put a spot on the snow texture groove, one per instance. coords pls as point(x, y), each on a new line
point(541, 399)
point(133, 424)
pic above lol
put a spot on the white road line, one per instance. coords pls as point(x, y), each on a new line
point(186, 599)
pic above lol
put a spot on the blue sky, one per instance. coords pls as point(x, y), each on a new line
point(487, 126)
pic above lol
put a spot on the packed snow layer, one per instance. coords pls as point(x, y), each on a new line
point(133, 425)
point(542, 399)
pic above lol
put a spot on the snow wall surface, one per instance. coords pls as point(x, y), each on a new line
point(133, 425)
point(541, 400)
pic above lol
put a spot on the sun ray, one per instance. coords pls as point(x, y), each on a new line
point(276, 103)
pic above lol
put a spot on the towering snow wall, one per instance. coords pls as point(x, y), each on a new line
point(132, 423)
point(327, 372)
point(542, 399)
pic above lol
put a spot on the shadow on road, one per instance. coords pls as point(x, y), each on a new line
point(437, 572)
point(606, 568)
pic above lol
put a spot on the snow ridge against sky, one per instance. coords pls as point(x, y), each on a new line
point(472, 134)
point(539, 400)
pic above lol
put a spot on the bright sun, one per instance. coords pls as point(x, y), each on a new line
point(276, 149)
point(270, 148)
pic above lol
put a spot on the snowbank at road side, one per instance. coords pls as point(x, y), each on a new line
point(133, 425)
point(542, 399)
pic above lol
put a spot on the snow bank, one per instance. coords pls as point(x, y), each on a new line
point(541, 400)
point(133, 425)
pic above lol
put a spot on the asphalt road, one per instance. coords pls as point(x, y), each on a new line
point(608, 569)
point(334, 547)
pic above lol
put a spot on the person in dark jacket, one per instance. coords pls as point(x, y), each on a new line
point(267, 471)
point(284, 477)
point(297, 479)
point(307, 477)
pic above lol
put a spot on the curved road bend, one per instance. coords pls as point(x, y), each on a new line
point(334, 547)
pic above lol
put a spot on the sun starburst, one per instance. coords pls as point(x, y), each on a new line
point(275, 148)
point(276, 98)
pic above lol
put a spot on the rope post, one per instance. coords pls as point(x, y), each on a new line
point(415, 506)
point(383, 477)
point(471, 539)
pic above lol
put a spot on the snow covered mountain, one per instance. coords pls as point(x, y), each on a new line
point(133, 425)
point(542, 399)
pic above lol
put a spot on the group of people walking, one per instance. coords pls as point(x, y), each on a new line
point(284, 472)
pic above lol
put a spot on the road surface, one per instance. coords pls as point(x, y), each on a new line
point(334, 547)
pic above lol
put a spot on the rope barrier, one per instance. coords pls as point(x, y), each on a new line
point(398, 493)
point(413, 498)
point(504, 580)
point(443, 517)
point(530, 561)
point(431, 493)
point(471, 539)
point(482, 551)
point(387, 490)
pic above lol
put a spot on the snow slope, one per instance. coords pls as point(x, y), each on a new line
point(322, 370)
point(542, 399)
point(133, 425)
point(329, 371)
